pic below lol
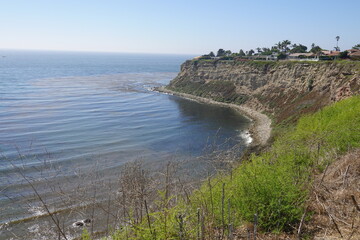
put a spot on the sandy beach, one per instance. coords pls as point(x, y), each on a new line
point(260, 129)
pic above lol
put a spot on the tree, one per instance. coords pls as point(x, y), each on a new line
point(284, 45)
point(357, 46)
point(251, 52)
point(211, 54)
point(241, 53)
point(220, 52)
point(316, 50)
point(205, 56)
point(274, 49)
point(266, 51)
point(298, 48)
point(344, 55)
point(337, 43)
point(227, 52)
point(281, 56)
point(258, 50)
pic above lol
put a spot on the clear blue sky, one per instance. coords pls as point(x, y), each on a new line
point(175, 26)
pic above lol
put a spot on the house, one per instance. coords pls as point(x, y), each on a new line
point(330, 53)
point(264, 57)
point(273, 56)
point(354, 54)
point(302, 56)
point(350, 51)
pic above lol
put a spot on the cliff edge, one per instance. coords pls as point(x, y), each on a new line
point(283, 89)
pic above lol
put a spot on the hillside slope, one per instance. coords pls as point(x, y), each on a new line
point(305, 186)
point(283, 89)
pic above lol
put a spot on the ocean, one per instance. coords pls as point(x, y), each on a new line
point(66, 117)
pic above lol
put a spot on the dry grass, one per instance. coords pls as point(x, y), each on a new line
point(335, 214)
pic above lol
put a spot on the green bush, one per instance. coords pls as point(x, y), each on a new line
point(281, 56)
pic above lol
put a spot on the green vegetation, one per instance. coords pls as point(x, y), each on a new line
point(278, 51)
point(283, 46)
point(298, 48)
point(220, 52)
point(281, 56)
point(316, 49)
point(250, 53)
point(344, 55)
point(241, 53)
point(221, 91)
point(310, 85)
point(274, 185)
point(337, 43)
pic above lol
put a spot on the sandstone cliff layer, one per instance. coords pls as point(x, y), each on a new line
point(284, 89)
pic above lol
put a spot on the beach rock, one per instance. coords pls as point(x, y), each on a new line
point(87, 221)
point(82, 223)
point(78, 224)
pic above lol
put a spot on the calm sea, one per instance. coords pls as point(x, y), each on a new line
point(65, 114)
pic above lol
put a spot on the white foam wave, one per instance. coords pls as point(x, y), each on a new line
point(37, 210)
point(247, 137)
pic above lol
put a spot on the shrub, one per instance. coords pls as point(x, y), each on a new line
point(310, 85)
point(344, 55)
point(281, 56)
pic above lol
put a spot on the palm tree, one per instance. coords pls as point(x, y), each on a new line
point(285, 45)
point(337, 43)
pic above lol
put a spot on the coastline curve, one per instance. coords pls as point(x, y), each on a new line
point(260, 128)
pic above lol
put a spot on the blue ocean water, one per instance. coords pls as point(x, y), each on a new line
point(80, 110)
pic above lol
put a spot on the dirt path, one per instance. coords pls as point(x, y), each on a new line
point(261, 124)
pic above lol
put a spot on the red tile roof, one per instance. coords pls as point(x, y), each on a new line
point(357, 54)
point(353, 50)
point(331, 53)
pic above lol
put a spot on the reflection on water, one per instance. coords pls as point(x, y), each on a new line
point(204, 123)
point(213, 115)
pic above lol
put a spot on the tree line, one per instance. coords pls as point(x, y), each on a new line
point(281, 48)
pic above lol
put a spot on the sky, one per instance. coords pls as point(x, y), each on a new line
point(175, 26)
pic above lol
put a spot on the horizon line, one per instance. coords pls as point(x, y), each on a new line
point(92, 51)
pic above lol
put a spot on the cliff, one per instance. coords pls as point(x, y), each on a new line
point(283, 89)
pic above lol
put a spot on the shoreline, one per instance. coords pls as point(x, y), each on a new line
point(260, 128)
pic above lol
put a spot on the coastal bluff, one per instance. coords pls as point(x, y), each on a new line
point(282, 89)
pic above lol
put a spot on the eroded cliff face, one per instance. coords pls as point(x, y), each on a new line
point(283, 89)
